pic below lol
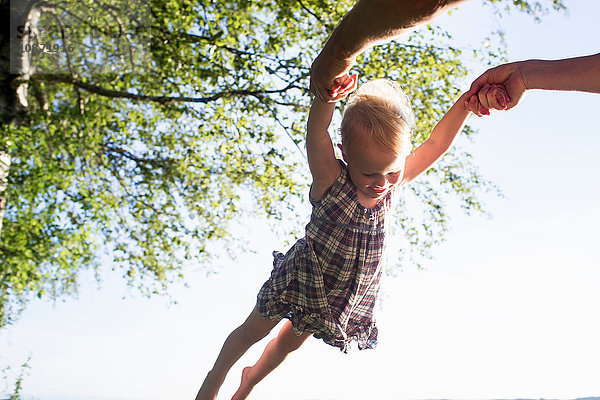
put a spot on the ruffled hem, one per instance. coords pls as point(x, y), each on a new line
point(277, 309)
point(364, 335)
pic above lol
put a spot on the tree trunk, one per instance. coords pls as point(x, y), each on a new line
point(17, 20)
point(4, 166)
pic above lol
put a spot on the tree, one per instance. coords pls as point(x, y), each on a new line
point(141, 130)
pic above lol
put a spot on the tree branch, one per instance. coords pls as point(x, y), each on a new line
point(193, 38)
point(308, 11)
point(55, 78)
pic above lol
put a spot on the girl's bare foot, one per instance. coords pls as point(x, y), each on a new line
point(246, 386)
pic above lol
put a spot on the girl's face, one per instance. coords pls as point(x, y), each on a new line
point(372, 170)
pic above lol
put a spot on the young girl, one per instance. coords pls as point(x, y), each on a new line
point(327, 283)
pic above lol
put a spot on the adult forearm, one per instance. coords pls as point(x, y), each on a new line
point(372, 22)
point(577, 74)
point(369, 23)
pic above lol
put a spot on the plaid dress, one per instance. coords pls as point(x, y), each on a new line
point(327, 283)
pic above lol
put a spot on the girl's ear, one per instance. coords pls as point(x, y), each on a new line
point(343, 154)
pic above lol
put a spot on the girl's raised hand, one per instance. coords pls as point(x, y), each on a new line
point(344, 85)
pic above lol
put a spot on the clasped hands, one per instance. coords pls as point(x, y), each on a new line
point(499, 88)
point(480, 98)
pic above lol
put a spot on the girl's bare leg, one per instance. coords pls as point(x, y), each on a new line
point(251, 331)
point(274, 354)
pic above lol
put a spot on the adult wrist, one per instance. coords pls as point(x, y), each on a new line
point(532, 73)
point(337, 48)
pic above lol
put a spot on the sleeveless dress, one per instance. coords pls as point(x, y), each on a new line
point(327, 283)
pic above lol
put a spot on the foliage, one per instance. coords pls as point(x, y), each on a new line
point(18, 383)
point(533, 8)
point(150, 125)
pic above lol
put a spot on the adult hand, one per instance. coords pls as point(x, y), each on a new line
point(329, 78)
point(493, 96)
point(510, 76)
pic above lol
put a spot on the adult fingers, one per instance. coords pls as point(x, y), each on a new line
point(500, 97)
point(494, 98)
point(320, 91)
point(472, 104)
point(482, 95)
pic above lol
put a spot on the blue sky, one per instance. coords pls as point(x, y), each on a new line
point(508, 308)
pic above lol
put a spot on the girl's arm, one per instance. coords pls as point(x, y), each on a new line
point(324, 167)
point(440, 141)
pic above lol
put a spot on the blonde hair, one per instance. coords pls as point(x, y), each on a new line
point(380, 113)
